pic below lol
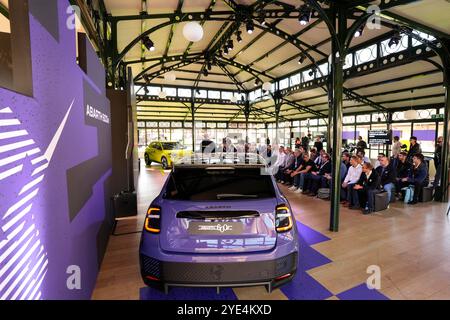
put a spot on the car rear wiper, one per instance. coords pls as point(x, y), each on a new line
point(235, 195)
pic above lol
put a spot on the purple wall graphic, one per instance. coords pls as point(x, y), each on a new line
point(55, 164)
point(350, 135)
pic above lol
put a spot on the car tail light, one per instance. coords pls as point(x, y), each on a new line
point(153, 220)
point(283, 218)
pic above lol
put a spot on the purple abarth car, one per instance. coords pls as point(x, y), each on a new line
point(219, 225)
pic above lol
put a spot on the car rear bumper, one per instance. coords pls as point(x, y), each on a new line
point(272, 273)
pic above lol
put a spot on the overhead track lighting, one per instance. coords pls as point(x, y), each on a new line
point(301, 59)
point(148, 43)
point(359, 31)
point(305, 15)
point(395, 40)
point(239, 36)
point(250, 27)
point(230, 44)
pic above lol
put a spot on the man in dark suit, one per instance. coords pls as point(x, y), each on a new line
point(414, 148)
point(316, 179)
point(366, 188)
point(402, 170)
point(388, 175)
point(418, 177)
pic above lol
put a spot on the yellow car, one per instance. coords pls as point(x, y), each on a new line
point(164, 152)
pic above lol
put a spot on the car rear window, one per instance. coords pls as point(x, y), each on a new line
point(172, 146)
point(211, 184)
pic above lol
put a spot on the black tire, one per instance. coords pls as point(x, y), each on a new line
point(147, 160)
point(164, 163)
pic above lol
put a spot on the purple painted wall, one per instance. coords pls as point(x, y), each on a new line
point(55, 165)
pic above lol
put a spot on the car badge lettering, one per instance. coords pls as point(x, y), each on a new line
point(218, 227)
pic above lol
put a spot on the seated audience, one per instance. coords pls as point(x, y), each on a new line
point(316, 179)
point(346, 159)
point(388, 175)
point(299, 175)
point(418, 176)
point(298, 160)
point(352, 177)
point(362, 155)
point(378, 162)
point(402, 170)
point(365, 189)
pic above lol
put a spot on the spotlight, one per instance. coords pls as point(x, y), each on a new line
point(209, 66)
point(311, 73)
point(301, 59)
point(395, 40)
point(225, 50)
point(230, 44)
point(146, 78)
point(146, 90)
point(198, 91)
point(205, 72)
point(261, 18)
point(148, 43)
point(359, 32)
point(256, 82)
point(305, 15)
point(250, 27)
point(239, 36)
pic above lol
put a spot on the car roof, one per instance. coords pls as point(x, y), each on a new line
point(220, 159)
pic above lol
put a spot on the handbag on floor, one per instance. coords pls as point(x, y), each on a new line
point(323, 193)
point(409, 194)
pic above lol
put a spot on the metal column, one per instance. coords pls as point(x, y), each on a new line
point(445, 162)
point(193, 124)
point(337, 64)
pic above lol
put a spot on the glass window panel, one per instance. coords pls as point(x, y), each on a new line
point(164, 124)
point(232, 125)
point(284, 83)
point(176, 124)
point(152, 135)
point(227, 95)
point(324, 68)
point(153, 91)
point(201, 94)
point(348, 61)
point(188, 124)
point(295, 79)
point(186, 93)
point(199, 124)
point(363, 118)
point(366, 54)
point(171, 92)
point(423, 35)
point(221, 125)
point(307, 75)
point(349, 119)
point(313, 122)
point(387, 50)
point(257, 94)
point(211, 125)
point(141, 124)
point(152, 124)
point(213, 94)
point(252, 96)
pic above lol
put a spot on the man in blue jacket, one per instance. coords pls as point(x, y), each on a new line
point(418, 176)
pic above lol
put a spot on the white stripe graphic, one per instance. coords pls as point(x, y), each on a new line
point(17, 145)
point(29, 276)
point(13, 158)
point(36, 288)
point(16, 218)
point(40, 169)
point(15, 282)
point(38, 159)
point(6, 110)
point(14, 258)
point(9, 122)
point(10, 172)
point(31, 184)
point(11, 235)
point(19, 265)
point(52, 146)
point(13, 134)
point(16, 244)
point(30, 287)
point(20, 203)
